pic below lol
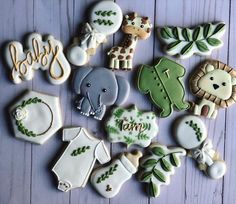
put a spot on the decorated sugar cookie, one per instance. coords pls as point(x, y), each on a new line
point(159, 166)
point(191, 134)
point(109, 180)
point(135, 28)
point(215, 83)
point(163, 83)
point(131, 126)
point(184, 42)
point(76, 163)
point(45, 54)
point(36, 117)
point(98, 88)
point(105, 19)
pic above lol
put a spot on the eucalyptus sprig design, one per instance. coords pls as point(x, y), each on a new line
point(185, 41)
point(107, 174)
point(105, 13)
point(79, 150)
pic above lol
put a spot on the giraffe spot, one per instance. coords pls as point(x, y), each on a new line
point(131, 50)
point(113, 56)
point(128, 57)
point(116, 48)
point(120, 57)
point(122, 50)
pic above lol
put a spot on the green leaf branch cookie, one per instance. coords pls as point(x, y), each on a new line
point(163, 83)
point(159, 166)
point(131, 126)
point(184, 42)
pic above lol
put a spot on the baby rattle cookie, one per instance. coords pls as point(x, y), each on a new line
point(135, 28)
point(98, 88)
point(36, 117)
point(109, 180)
point(215, 83)
point(131, 126)
point(75, 165)
point(39, 53)
point(157, 167)
point(163, 83)
point(184, 42)
point(191, 134)
point(105, 19)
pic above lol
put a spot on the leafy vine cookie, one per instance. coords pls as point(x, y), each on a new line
point(45, 54)
point(105, 19)
point(184, 42)
point(36, 117)
point(135, 28)
point(98, 88)
point(163, 83)
point(159, 166)
point(109, 180)
point(215, 83)
point(131, 126)
point(75, 165)
point(191, 134)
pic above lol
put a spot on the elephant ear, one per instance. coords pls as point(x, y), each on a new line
point(123, 90)
point(79, 77)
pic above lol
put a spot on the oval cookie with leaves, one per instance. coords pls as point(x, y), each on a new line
point(159, 166)
point(184, 42)
point(131, 126)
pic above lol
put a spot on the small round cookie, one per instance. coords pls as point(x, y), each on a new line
point(190, 131)
point(77, 56)
point(106, 17)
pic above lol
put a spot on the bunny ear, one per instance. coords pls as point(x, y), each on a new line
point(79, 77)
point(123, 90)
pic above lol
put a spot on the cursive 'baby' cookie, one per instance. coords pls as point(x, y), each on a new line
point(163, 83)
point(36, 117)
point(184, 42)
point(215, 83)
point(109, 180)
point(76, 163)
point(105, 19)
point(131, 126)
point(98, 88)
point(159, 166)
point(191, 134)
point(45, 54)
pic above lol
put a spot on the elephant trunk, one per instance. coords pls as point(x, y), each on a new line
point(95, 104)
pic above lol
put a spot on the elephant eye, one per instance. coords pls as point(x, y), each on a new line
point(104, 90)
point(88, 84)
point(211, 78)
point(223, 84)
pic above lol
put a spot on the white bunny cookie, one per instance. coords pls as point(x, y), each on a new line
point(191, 134)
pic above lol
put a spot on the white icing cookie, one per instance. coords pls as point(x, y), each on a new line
point(131, 126)
point(36, 117)
point(41, 54)
point(109, 180)
point(192, 135)
point(159, 166)
point(76, 163)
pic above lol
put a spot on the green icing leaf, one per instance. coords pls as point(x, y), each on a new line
point(107, 174)
point(159, 175)
point(206, 30)
point(187, 48)
point(202, 46)
point(158, 151)
point(128, 140)
point(173, 45)
point(174, 160)
point(79, 150)
point(112, 130)
point(186, 34)
point(219, 28)
point(146, 176)
point(196, 33)
point(175, 33)
point(118, 112)
point(166, 33)
point(149, 163)
point(166, 166)
point(213, 41)
point(153, 189)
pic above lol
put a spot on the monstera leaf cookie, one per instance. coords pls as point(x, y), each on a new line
point(131, 126)
point(184, 42)
point(159, 166)
point(164, 85)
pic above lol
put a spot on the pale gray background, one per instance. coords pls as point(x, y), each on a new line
point(25, 175)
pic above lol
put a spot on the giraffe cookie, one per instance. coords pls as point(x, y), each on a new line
point(135, 28)
point(105, 19)
point(191, 134)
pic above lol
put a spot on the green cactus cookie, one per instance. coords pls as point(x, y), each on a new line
point(164, 85)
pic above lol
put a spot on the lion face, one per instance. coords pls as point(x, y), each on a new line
point(217, 82)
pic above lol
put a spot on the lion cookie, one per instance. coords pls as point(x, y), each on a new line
point(105, 19)
point(98, 88)
point(215, 83)
point(163, 83)
point(135, 28)
point(184, 42)
point(131, 126)
point(39, 53)
point(191, 134)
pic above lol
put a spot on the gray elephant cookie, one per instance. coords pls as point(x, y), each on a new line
point(98, 88)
